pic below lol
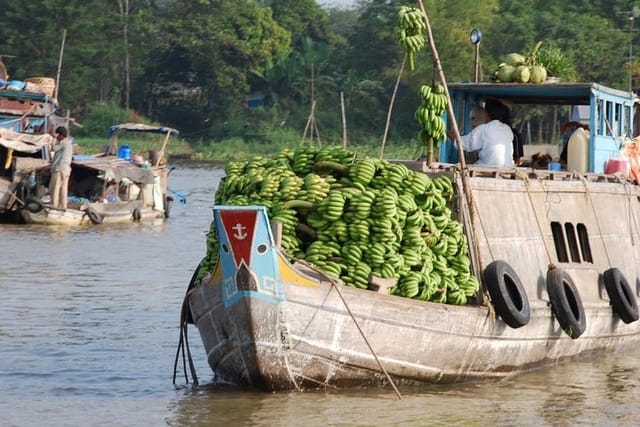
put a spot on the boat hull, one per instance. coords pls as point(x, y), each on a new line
point(92, 214)
point(312, 338)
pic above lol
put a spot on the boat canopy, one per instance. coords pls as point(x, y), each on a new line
point(24, 142)
point(556, 93)
point(140, 127)
point(113, 167)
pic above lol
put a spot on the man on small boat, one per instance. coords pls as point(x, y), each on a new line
point(60, 168)
point(493, 139)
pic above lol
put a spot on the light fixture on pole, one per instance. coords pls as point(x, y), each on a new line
point(475, 37)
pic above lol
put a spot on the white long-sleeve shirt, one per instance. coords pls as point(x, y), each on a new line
point(495, 142)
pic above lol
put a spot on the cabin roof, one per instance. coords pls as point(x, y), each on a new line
point(548, 93)
point(24, 142)
point(26, 96)
point(140, 127)
point(113, 167)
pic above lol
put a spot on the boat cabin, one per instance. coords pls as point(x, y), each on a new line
point(611, 117)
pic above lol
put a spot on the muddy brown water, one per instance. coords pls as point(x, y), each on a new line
point(89, 329)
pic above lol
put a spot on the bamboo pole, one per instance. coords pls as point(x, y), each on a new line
point(344, 121)
point(466, 186)
point(164, 147)
point(64, 36)
point(393, 100)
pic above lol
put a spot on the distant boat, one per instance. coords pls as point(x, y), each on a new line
point(109, 188)
point(556, 254)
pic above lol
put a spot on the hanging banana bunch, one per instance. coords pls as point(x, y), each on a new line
point(433, 104)
point(410, 26)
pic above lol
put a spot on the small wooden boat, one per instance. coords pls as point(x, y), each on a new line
point(109, 188)
point(555, 252)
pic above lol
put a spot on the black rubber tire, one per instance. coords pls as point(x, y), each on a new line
point(94, 216)
point(507, 294)
point(33, 205)
point(621, 295)
point(136, 215)
point(566, 303)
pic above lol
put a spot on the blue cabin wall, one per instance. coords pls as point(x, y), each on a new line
point(611, 120)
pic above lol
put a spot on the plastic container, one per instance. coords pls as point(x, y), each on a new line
point(124, 152)
point(578, 151)
point(554, 166)
point(16, 85)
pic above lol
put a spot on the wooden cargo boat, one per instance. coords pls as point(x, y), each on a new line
point(556, 253)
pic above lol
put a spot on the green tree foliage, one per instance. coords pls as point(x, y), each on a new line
point(302, 18)
point(203, 53)
point(585, 31)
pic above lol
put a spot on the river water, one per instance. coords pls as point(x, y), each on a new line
point(89, 331)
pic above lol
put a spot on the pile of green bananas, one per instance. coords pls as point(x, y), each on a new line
point(356, 217)
point(433, 104)
point(410, 27)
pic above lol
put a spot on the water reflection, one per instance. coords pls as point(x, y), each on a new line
point(590, 392)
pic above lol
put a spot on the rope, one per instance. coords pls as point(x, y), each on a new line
point(540, 229)
point(595, 215)
point(333, 283)
point(632, 218)
point(183, 341)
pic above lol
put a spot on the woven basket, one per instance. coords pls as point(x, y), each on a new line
point(46, 85)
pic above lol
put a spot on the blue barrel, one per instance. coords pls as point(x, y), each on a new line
point(124, 152)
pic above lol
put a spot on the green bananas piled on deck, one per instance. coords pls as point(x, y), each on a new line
point(433, 104)
point(354, 218)
point(410, 27)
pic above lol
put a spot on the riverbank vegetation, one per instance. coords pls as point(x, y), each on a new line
point(241, 77)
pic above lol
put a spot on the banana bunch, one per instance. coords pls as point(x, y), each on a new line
point(357, 217)
point(433, 104)
point(303, 160)
point(410, 27)
point(362, 172)
point(315, 187)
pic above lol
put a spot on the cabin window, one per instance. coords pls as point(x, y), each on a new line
point(600, 129)
point(583, 236)
point(559, 242)
point(573, 241)
point(627, 121)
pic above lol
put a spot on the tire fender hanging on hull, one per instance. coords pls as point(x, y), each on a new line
point(623, 302)
point(507, 294)
point(566, 303)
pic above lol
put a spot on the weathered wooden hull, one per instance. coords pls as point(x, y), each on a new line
point(291, 329)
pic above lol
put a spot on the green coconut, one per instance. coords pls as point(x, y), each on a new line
point(515, 59)
point(505, 73)
point(522, 74)
point(538, 74)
